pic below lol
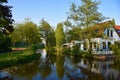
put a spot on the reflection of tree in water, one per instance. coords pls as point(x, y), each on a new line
point(60, 67)
point(52, 59)
point(27, 71)
point(45, 69)
point(116, 65)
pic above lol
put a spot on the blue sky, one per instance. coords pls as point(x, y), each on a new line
point(54, 11)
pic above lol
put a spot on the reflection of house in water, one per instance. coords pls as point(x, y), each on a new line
point(100, 67)
point(43, 54)
point(72, 71)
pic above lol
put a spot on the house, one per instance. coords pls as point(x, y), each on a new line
point(102, 36)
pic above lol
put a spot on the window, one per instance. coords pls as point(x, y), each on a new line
point(109, 44)
point(107, 32)
point(111, 33)
point(104, 45)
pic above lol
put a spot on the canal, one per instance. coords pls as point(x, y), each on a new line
point(63, 68)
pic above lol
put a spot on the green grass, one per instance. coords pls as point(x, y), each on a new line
point(15, 58)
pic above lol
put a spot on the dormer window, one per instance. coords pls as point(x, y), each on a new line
point(109, 33)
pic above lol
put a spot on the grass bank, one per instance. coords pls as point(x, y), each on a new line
point(14, 58)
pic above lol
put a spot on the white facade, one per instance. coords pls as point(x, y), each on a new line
point(111, 37)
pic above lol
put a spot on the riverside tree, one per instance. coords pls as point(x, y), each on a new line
point(60, 36)
point(26, 32)
point(5, 25)
point(85, 15)
point(47, 33)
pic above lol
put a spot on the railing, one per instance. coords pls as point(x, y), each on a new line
point(102, 52)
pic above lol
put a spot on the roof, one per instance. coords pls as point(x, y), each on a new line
point(98, 29)
point(117, 28)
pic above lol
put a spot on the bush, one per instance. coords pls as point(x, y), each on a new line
point(5, 43)
point(66, 50)
point(87, 55)
point(76, 49)
point(116, 49)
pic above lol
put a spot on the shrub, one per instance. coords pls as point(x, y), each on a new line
point(76, 49)
point(66, 50)
point(116, 49)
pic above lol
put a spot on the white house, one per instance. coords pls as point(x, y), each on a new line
point(106, 34)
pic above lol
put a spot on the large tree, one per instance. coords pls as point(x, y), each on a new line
point(60, 36)
point(85, 15)
point(26, 32)
point(46, 30)
point(5, 25)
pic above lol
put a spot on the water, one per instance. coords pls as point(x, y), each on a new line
point(63, 68)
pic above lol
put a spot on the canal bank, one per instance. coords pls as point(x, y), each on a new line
point(17, 57)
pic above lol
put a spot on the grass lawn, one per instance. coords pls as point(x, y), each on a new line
point(17, 57)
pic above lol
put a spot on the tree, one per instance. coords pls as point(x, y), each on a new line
point(90, 14)
point(5, 18)
point(31, 33)
point(45, 30)
point(5, 25)
point(26, 32)
point(60, 36)
point(51, 38)
point(85, 15)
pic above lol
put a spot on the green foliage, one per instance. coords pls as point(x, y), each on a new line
point(47, 33)
point(44, 26)
point(116, 48)
point(66, 50)
point(60, 67)
point(26, 32)
point(51, 38)
point(14, 58)
point(76, 49)
point(60, 36)
point(86, 14)
point(89, 13)
point(5, 43)
point(75, 34)
point(87, 54)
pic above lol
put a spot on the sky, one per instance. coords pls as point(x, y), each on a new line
point(55, 11)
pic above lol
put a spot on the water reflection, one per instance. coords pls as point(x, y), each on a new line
point(63, 68)
point(60, 67)
point(43, 54)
